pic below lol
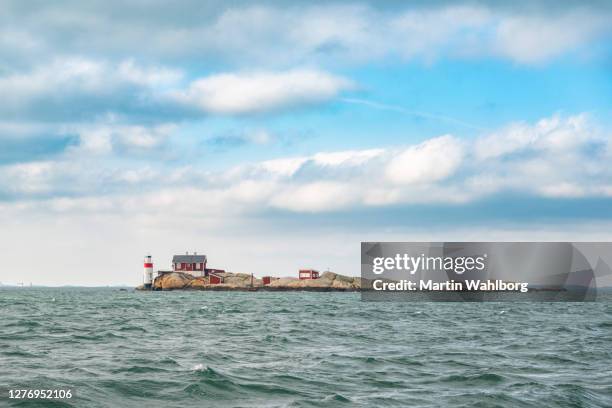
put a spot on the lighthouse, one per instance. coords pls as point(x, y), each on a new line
point(148, 271)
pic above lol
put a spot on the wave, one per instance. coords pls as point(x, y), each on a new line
point(473, 379)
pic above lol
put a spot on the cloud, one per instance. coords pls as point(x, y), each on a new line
point(104, 138)
point(283, 34)
point(142, 69)
point(554, 134)
point(529, 39)
point(430, 161)
point(274, 209)
point(559, 156)
point(78, 89)
point(262, 91)
point(314, 196)
point(369, 32)
point(350, 158)
point(154, 77)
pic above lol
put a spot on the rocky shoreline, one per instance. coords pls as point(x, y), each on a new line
point(243, 282)
point(328, 282)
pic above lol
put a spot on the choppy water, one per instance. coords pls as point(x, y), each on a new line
point(178, 349)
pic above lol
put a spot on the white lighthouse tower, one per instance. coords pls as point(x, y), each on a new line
point(148, 271)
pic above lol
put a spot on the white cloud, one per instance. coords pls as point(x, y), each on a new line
point(429, 33)
point(20, 87)
point(70, 89)
point(282, 167)
point(357, 32)
point(107, 137)
point(278, 35)
point(562, 189)
point(135, 208)
point(514, 138)
point(430, 161)
point(536, 39)
point(554, 157)
point(262, 91)
point(97, 141)
point(315, 196)
point(30, 178)
point(84, 75)
point(158, 77)
point(346, 158)
point(556, 133)
point(287, 167)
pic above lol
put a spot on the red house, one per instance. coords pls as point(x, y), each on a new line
point(192, 264)
point(308, 274)
point(215, 278)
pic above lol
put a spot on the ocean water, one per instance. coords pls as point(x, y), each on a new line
point(224, 349)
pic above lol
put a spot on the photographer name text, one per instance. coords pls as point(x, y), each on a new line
point(474, 285)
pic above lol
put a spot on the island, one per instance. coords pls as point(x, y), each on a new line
point(327, 282)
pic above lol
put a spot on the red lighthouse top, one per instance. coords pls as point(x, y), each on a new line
point(148, 263)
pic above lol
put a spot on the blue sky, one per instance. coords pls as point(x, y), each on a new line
point(276, 135)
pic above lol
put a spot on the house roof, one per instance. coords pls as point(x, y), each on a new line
point(188, 258)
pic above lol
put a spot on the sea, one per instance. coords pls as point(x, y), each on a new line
point(123, 348)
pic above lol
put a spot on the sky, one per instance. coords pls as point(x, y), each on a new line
point(276, 135)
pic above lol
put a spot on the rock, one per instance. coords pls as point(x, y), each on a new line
point(338, 284)
point(341, 278)
point(358, 282)
point(170, 281)
point(328, 280)
point(198, 283)
point(328, 275)
point(242, 281)
point(282, 282)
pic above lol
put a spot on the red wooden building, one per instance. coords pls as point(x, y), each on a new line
point(215, 278)
point(308, 274)
point(192, 264)
point(196, 265)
